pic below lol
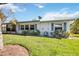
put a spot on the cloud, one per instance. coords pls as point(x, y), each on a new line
point(61, 14)
point(13, 7)
point(39, 5)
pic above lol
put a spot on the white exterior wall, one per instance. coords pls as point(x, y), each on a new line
point(44, 26)
point(18, 27)
point(68, 25)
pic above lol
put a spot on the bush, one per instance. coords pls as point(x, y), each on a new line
point(24, 32)
point(31, 32)
point(60, 34)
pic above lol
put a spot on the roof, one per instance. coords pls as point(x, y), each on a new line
point(28, 21)
point(43, 21)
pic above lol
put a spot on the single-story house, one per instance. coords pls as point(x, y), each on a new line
point(43, 26)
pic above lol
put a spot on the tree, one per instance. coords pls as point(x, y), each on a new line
point(3, 17)
point(13, 23)
point(39, 17)
point(75, 26)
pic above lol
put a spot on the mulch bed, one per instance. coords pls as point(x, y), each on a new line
point(14, 50)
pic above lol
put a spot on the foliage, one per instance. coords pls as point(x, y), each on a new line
point(5, 14)
point(75, 26)
point(35, 32)
point(39, 17)
point(31, 32)
point(13, 21)
point(2, 16)
point(24, 32)
point(60, 34)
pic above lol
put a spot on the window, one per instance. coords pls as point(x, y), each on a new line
point(26, 27)
point(58, 27)
point(22, 27)
point(52, 25)
point(8, 27)
point(31, 27)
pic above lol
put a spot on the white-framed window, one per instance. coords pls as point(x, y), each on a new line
point(22, 27)
point(26, 27)
point(31, 27)
point(58, 27)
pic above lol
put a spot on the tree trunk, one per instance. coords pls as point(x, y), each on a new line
point(1, 37)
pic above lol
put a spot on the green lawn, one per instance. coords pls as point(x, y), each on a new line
point(43, 46)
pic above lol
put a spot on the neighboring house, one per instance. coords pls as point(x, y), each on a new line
point(42, 26)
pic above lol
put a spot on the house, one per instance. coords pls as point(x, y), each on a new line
point(43, 26)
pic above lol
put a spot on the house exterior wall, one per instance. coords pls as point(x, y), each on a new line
point(18, 27)
point(68, 25)
point(45, 26)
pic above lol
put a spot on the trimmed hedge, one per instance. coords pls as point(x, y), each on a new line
point(31, 32)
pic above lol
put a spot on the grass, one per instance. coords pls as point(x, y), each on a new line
point(76, 35)
point(43, 46)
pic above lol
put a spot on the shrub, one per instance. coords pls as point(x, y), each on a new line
point(60, 34)
point(31, 32)
point(24, 32)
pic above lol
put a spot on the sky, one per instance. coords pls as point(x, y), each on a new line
point(48, 11)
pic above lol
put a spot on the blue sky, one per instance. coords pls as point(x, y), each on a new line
point(29, 11)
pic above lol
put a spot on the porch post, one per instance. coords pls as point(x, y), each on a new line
point(53, 27)
point(17, 28)
point(29, 26)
